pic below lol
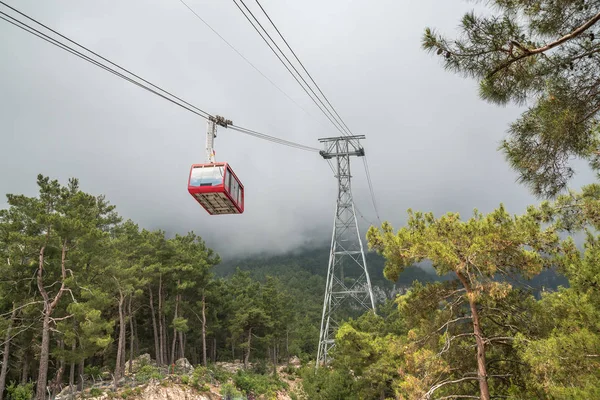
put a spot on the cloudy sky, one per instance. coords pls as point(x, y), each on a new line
point(431, 142)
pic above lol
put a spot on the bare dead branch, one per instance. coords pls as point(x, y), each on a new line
point(21, 307)
point(430, 392)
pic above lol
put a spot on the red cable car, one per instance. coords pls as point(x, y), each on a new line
point(216, 188)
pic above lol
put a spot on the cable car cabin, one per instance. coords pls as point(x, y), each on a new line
point(216, 188)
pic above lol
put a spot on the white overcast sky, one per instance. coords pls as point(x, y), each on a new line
point(431, 142)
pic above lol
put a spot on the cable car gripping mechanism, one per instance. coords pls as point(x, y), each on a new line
point(211, 134)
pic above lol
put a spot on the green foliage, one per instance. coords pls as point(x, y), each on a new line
point(16, 391)
point(422, 339)
point(200, 378)
point(545, 53)
point(147, 372)
point(447, 320)
point(180, 324)
point(229, 391)
point(93, 371)
point(251, 383)
point(95, 392)
point(220, 374)
point(290, 370)
point(328, 384)
point(260, 367)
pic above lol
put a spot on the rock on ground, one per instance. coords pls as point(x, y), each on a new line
point(183, 366)
point(157, 391)
point(140, 361)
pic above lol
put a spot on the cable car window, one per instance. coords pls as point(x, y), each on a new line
point(228, 180)
point(235, 189)
point(206, 176)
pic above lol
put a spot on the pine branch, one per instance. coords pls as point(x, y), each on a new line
point(530, 52)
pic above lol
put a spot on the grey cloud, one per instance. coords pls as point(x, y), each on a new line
point(431, 142)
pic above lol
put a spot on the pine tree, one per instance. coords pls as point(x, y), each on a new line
point(476, 251)
point(544, 53)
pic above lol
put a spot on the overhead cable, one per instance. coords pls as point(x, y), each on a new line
point(272, 138)
point(305, 70)
point(321, 107)
point(179, 102)
point(366, 164)
point(41, 35)
point(242, 56)
point(206, 115)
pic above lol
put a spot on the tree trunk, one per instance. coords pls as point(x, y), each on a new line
point(131, 336)
point(6, 355)
point(161, 327)
point(247, 357)
point(72, 370)
point(25, 368)
point(173, 348)
point(40, 393)
point(124, 344)
point(136, 339)
point(274, 360)
point(80, 379)
point(120, 345)
point(481, 368)
point(214, 349)
point(166, 340)
point(181, 345)
point(193, 355)
point(154, 328)
point(203, 329)
point(55, 385)
point(49, 306)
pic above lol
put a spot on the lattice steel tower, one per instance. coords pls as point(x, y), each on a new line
point(346, 245)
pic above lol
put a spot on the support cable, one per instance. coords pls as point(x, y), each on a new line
point(272, 138)
point(206, 115)
point(366, 164)
point(244, 58)
point(68, 49)
point(181, 103)
point(302, 65)
point(336, 124)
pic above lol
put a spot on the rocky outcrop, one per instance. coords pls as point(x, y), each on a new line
point(183, 366)
point(157, 391)
point(139, 362)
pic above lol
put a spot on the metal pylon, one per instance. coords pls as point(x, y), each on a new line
point(346, 246)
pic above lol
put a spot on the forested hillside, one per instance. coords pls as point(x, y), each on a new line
point(83, 292)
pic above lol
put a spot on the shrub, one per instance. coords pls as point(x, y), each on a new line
point(260, 367)
point(199, 378)
point(327, 384)
point(95, 392)
point(251, 383)
point(148, 372)
point(229, 391)
point(290, 370)
point(20, 392)
point(91, 371)
point(220, 374)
